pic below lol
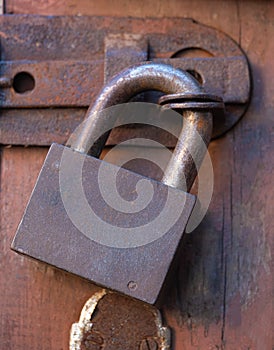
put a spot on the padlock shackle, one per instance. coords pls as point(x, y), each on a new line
point(181, 169)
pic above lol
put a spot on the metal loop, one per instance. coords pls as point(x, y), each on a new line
point(182, 97)
point(192, 105)
point(192, 102)
point(181, 168)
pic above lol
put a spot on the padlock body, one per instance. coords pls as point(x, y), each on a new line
point(69, 224)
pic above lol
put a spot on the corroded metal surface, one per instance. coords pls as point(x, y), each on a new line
point(141, 269)
point(192, 102)
point(57, 83)
point(69, 58)
point(48, 233)
point(111, 321)
point(75, 83)
point(182, 168)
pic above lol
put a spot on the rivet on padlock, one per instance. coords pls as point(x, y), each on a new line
point(47, 232)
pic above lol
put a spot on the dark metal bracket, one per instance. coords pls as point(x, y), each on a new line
point(52, 69)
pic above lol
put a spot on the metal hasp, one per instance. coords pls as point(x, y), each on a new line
point(52, 69)
point(57, 230)
point(111, 321)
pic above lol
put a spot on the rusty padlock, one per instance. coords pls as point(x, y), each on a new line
point(68, 181)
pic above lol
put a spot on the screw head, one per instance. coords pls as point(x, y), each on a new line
point(148, 344)
point(93, 341)
point(132, 285)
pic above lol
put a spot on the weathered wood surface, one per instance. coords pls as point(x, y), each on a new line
point(221, 297)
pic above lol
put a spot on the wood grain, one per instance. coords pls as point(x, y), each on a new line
point(221, 297)
point(36, 300)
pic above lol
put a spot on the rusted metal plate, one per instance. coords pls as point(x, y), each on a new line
point(56, 83)
point(76, 83)
point(133, 260)
point(68, 59)
point(38, 126)
point(114, 322)
point(65, 37)
point(57, 124)
point(124, 50)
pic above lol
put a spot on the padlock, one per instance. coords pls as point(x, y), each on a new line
point(58, 227)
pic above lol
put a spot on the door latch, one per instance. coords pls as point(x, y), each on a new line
point(52, 69)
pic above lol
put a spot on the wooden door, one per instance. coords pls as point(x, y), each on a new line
point(222, 296)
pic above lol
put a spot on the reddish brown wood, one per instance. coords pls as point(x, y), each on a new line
point(36, 301)
point(221, 297)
